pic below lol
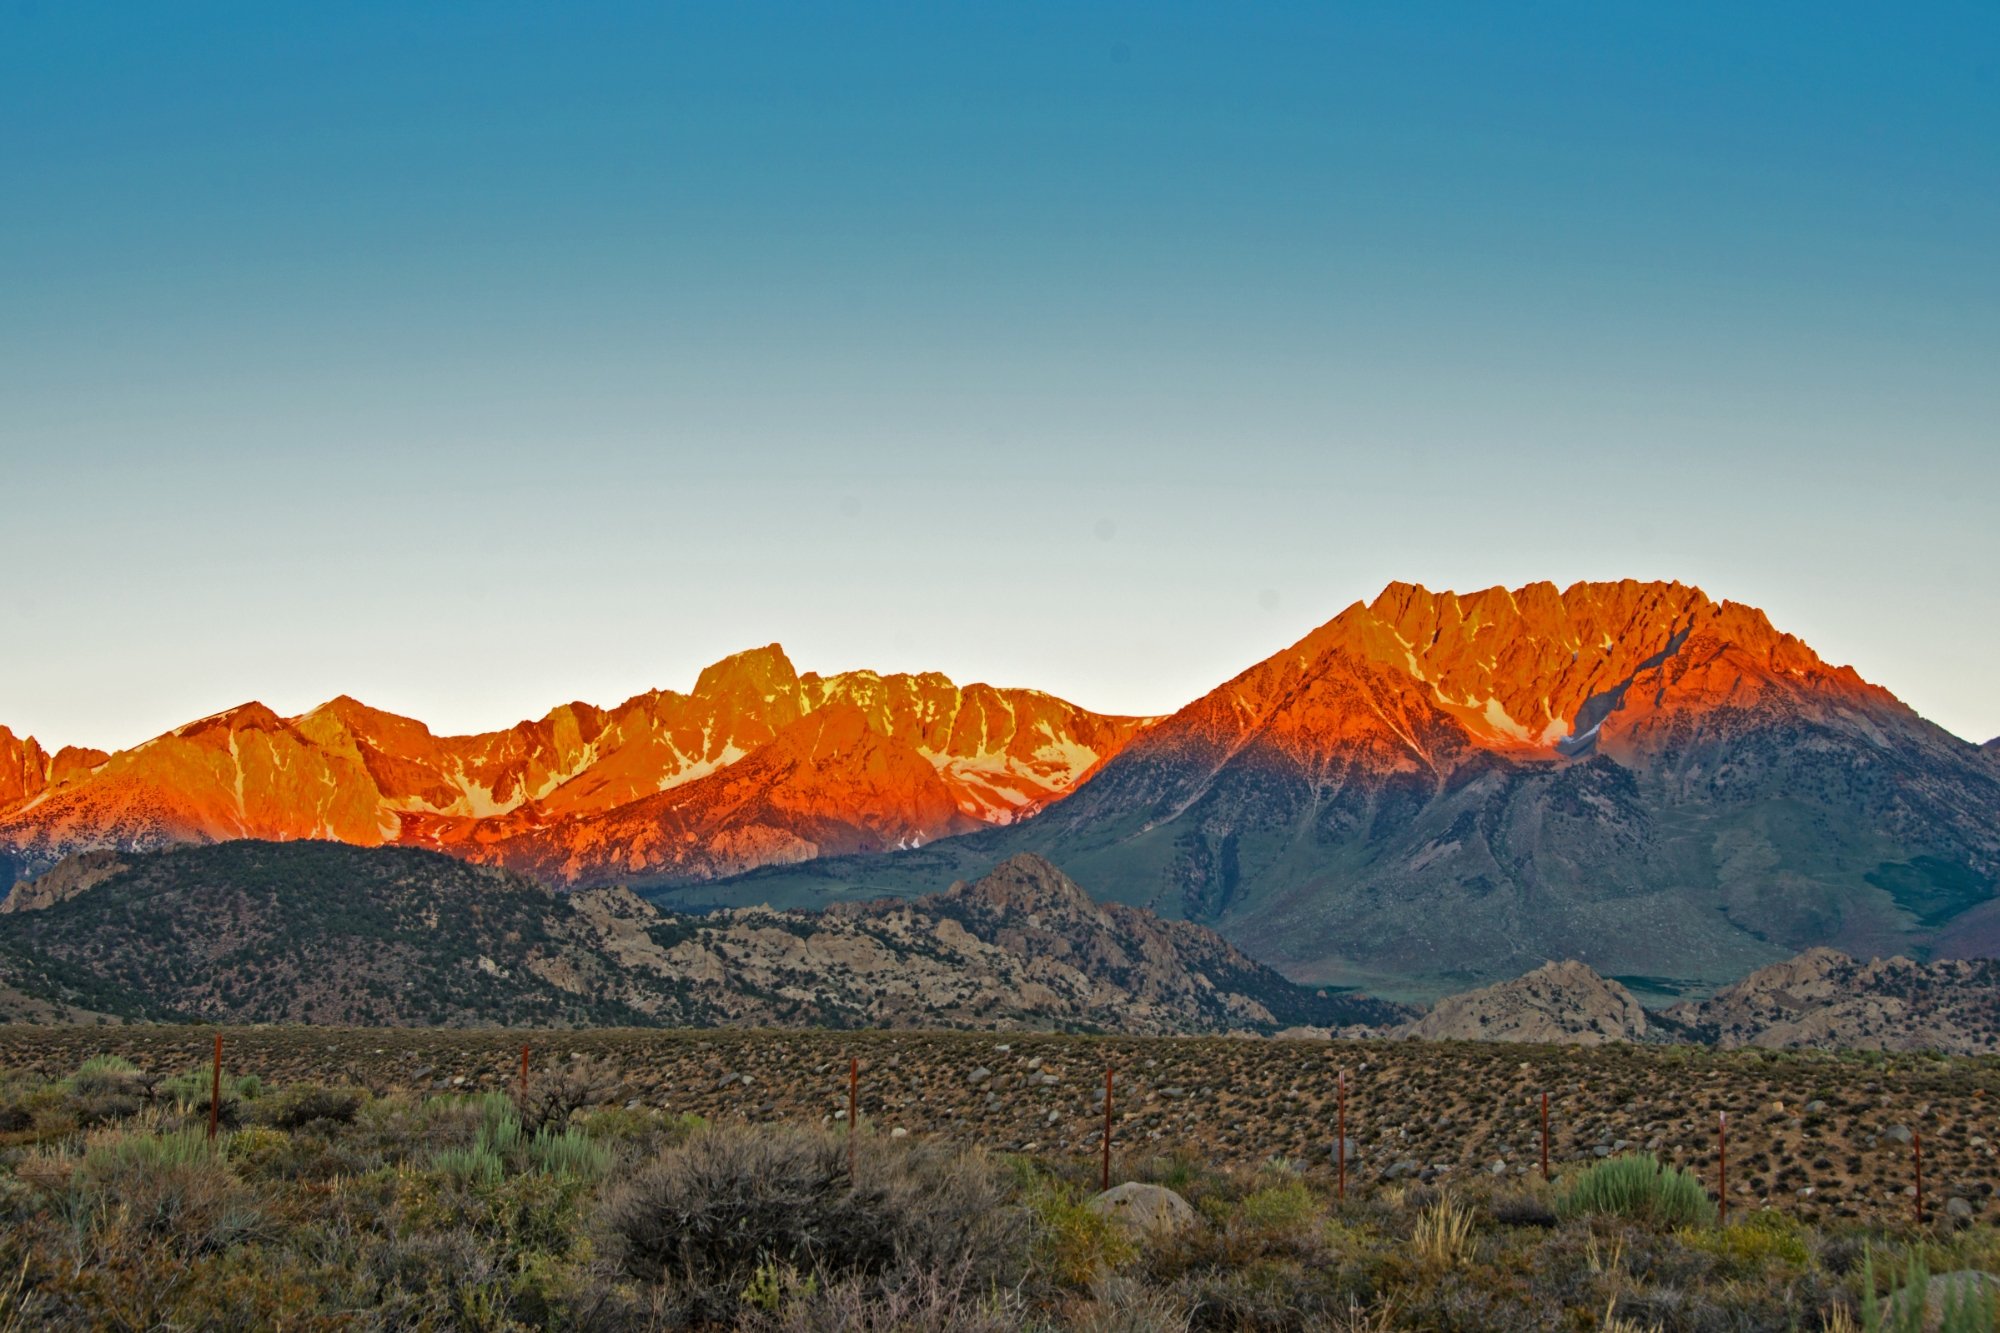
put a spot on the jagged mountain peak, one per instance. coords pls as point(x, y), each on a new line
point(250, 716)
point(24, 767)
point(354, 712)
point(755, 673)
point(1538, 668)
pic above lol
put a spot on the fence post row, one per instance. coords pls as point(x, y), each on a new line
point(1104, 1173)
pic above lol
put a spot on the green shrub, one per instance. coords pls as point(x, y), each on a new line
point(1966, 1307)
point(106, 1073)
point(479, 1168)
point(702, 1219)
point(1762, 1239)
point(571, 1154)
point(500, 1130)
point(105, 1088)
point(1639, 1186)
point(310, 1104)
point(173, 1189)
point(1284, 1206)
point(1073, 1244)
point(186, 1147)
point(189, 1093)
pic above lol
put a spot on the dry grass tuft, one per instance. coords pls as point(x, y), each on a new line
point(1443, 1237)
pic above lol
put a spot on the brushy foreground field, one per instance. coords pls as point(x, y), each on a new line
point(396, 1178)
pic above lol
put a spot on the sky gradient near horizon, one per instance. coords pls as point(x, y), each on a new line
point(470, 359)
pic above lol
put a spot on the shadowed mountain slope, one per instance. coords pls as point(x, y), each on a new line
point(320, 932)
point(1434, 791)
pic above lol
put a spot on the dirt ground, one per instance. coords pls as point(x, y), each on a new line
point(1818, 1135)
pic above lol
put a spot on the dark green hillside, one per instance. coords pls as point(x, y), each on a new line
point(303, 932)
point(306, 932)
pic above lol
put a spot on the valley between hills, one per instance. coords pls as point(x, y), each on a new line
point(319, 933)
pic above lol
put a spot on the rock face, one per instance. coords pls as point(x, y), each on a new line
point(1563, 1003)
point(1826, 999)
point(851, 762)
point(67, 878)
point(1434, 789)
point(323, 933)
point(26, 771)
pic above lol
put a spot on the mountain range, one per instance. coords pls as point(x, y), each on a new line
point(757, 764)
point(1428, 792)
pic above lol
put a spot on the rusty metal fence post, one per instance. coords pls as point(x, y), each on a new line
point(1104, 1176)
point(1545, 1138)
point(1722, 1162)
point(215, 1091)
point(1917, 1147)
point(1340, 1143)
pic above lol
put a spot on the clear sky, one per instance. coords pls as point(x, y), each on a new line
point(474, 357)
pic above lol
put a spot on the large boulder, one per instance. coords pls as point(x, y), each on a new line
point(1961, 1288)
point(1145, 1210)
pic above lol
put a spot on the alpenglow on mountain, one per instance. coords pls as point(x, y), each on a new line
point(1430, 791)
point(757, 764)
point(1433, 791)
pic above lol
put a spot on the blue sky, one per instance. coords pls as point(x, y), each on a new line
point(470, 358)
